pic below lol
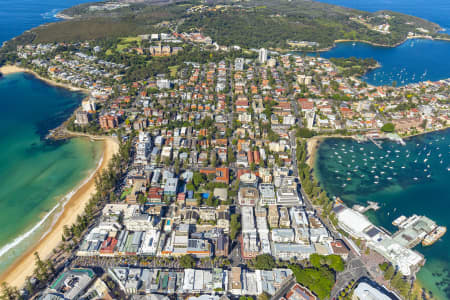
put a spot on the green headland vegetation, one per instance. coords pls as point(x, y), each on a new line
point(254, 23)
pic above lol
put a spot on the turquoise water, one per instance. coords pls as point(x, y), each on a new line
point(35, 173)
point(405, 180)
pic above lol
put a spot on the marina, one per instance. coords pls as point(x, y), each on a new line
point(385, 165)
point(397, 248)
point(403, 189)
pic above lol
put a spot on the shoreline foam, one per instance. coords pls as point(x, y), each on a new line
point(16, 274)
point(5, 249)
point(53, 213)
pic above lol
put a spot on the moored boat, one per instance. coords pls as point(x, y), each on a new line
point(434, 236)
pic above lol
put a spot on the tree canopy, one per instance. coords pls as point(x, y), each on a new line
point(319, 281)
point(187, 261)
point(388, 127)
point(264, 262)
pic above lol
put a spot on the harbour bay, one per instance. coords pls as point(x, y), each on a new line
point(413, 61)
point(404, 180)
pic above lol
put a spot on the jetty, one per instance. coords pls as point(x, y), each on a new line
point(395, 138)
point(371, 205)
point(360, 138)
point(377, 143)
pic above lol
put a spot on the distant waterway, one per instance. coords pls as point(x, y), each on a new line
point(437, 11)
point(413, 61)
point(17, 16)
point(36, 175)
point(404, 180)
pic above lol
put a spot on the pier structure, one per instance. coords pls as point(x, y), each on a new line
point(371, 205)
point(377, 143)
point(396, 138)
point(412, 230)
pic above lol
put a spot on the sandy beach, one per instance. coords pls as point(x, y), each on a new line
point(11, 69)
point(312, 144)
point(311, 149)
point(24, 266)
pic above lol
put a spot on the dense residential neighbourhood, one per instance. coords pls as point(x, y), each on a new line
point(217, 199)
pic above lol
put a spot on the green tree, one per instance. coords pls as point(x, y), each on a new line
point(142, 199)
point(8, 292)
point(230, 155)
point(212, 201)
point(388, 127)
point(235, 226)
point(335, 262)
point(319, 280)
point(190, 186)
point(304, 133)
point(264, 262)
point(198, 179)
point(315, 260)
point(187, 261)
point(389, 272)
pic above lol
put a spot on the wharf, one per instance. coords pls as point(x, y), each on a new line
point(413, 230)
point(362, 209)
point(360, 138)
point(396, 138)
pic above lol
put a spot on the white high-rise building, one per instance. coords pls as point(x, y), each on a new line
point(262, 55)
point(88, 105)
point(163, 83)
point(143, 148)
point(239, 64)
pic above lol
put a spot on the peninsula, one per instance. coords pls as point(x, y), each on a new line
point(277, 25)
point(210, 190)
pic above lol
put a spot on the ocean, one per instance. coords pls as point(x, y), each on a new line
point(36, 174)
point(20, 15)
point(404, 180)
